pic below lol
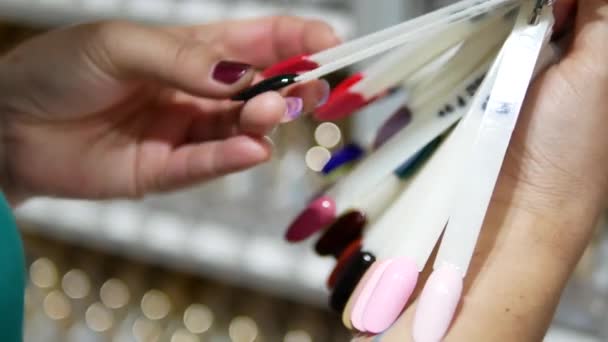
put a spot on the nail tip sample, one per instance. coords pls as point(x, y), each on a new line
point(362, 303)
point(340, 106)
point(348, 154)
point(346, 229)
point(392, 126)
point(294, 65)
point(348, 280)
point(349, 253)
point(391, 295)
point(319, 213)
point(437, 305)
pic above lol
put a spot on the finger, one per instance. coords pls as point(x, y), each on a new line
point(263, 42)
point(256, 118)
point(128, 51)
point(191, 164)
point(260, 115)
point(564, 10)
point(590, 44)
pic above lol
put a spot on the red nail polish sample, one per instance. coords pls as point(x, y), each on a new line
point(344, 259)
point(229, 72)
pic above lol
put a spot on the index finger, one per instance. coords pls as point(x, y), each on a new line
point(265, 41)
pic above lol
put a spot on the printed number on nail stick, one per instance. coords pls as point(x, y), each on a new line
point(462, 100)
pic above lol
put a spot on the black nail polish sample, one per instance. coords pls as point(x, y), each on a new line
point(352, 274)
point(343, 232)
point(271, 84)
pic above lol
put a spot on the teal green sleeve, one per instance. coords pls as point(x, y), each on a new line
point(12, 276)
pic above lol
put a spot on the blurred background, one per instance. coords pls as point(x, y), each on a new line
point(210, 264)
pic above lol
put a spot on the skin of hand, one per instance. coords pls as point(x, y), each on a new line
point(117, 109)
point(550, 194)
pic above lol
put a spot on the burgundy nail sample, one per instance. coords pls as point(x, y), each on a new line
point(319, 214)
point(392, 126)
point(229, 72)
point(347, 282)
point(345, 230)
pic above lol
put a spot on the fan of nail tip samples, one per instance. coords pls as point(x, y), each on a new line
point(427, 179)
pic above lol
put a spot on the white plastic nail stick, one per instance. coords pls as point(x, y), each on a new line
point(348, 48)
point(414, 33)
point(404, 62)
point(484, 161)
point(414, 222)
point(428, 122)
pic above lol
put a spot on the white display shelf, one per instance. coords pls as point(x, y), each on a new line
point(239, 255)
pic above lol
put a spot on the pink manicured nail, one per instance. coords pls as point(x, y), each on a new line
point(357, 317)
point(437, 305)
point(294, 108)
point(326, 93)
point(391, 295)
point(347, 315)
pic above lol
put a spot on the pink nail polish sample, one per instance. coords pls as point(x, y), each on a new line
point(357, 317)
point(437, 304)
point(319, 213)
point(391, 295)
point(357, 293)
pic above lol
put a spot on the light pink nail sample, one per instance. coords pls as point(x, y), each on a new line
point(366, 292)
point(390, 296)
point(437, 305)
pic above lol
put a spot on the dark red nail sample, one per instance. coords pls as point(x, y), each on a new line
point(346, 229)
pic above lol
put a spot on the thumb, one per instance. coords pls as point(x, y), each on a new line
point(128, 51)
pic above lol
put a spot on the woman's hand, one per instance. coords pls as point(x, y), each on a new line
point(550, 193)
point(119, 109)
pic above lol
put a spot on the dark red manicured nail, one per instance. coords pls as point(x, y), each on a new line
point(229, 72)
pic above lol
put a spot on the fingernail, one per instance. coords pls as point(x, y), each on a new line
point(343, 261)
point(368, 286)
point(390, 295)
point(319, 213)
point(348, 309)
point(392, 126)
point(348, 280)
point(437, 305)
point(341, 234)
point(229, 72)
point(348, 154)
point(294, 108)
point(326, 93)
